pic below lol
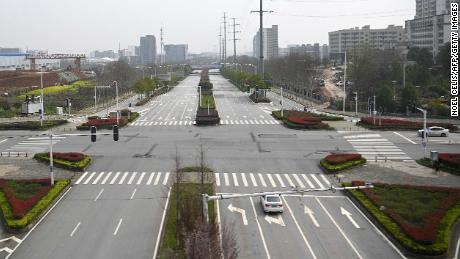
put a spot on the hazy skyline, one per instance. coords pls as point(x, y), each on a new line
point(65, 26)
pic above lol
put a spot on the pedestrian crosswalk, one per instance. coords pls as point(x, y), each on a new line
point(271, 180)
point(189, 122)
point(373, 146)
point(35, 144)
point(120, 178)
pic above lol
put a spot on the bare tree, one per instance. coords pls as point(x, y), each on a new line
point(178, 180)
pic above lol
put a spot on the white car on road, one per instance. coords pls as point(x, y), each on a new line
point(271, 203)
point(435, 132)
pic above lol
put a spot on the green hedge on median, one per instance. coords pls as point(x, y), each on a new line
point(336, 168)
point(439, 247)
point(31, 125)
point(133, 117)
point(35, 212)
point(74, 166)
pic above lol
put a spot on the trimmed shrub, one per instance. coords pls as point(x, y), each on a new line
point(79, 165)
point(31, 125)
point(32, 214)
point(398, 124)
point(337, 159)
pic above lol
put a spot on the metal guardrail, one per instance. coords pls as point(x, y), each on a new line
point(13, 154)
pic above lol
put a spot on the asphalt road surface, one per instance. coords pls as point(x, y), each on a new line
point(115, 209)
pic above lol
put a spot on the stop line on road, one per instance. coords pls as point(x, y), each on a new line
point(128, 178)
point(272, 180)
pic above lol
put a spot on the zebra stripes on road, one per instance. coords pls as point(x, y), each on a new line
point(271, 180)
point(187, 123)
point(34, 144)
point(373, 146)
point(128, 178)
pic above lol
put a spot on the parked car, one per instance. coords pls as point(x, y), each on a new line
point(434, 132)
point(339, 83)
point(271, 203)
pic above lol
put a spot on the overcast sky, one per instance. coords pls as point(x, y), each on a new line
point(80, 26)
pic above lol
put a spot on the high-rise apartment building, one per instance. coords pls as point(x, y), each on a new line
point(148, 50)
point(175, 53)
point(430, 27)
point(388, 38)
point(270, 41)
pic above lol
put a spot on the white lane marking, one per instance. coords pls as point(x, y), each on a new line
point(89, 178)
point(139, 181)
point(216, 175)
point(362, 136)
point(75, 229)
point(310, 213)
point(132, 195)
point(118, 226)
point(256, 122)
point(235, 180)
point(115, 178)
point(253, 179)
point(165, 180)
point(132, 178)
point(300, 230)
point(270, 178)
point(245, 181)
point(317, 181)
point(250, 121)
point(377, 140)
point(297, 179)
point(81, 178)
point(457, 250)
point(41, 219)
point(99, 194)
point(404, 137)
point(149, 181)
point(157, 244)
point(308, 181)
point(382, 153)
point(291, 184)
point(227, 183)
point(262, 180)
point(123, 178)
point(106, 177)
point(156, 123)
point(326, 180)
point(1, 141)
point(157, 179)
point(98, 177)
point(275, 219)
point(239, 210)
point(280, 180)
point(348, 215)
point(260, 229)
point(338, 227)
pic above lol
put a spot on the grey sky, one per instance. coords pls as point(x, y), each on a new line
point(69, 26)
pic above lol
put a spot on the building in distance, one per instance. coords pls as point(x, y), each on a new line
point(176, 53)
point(148, 50)
point(270, 42)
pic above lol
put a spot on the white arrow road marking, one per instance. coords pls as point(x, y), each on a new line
point(278, 220)
point(15, 239)
point(310, 213)
point(348, 215)
point(242, 211)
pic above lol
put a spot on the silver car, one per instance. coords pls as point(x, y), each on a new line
point(271, 203)
point(435, 131)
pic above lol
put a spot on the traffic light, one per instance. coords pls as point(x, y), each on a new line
point(115, 133)
point(93, 134)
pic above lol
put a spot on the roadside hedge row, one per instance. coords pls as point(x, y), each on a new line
point(443, 166)
point(330, 168)
point(71, 165)
point(301, 120)
point(123, 123)
point(31, 125)
point(439, 247)
point(35, 212)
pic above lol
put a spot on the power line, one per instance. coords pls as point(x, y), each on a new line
point(261, 38)
point(225, 38)
point(234, 38)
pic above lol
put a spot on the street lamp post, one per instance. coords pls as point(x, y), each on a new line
point(41, 98)
point(374, 112)
point(51, 158)
point(356, 103)
point(344, 82)
point(424, 137)
point(282, 103)
point(116, 90)
point(394, 89)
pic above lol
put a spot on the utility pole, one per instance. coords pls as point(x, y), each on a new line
point(220, 43)
point(234, 39)
point(344, 82)
point(261, 39)
point(225, 38)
